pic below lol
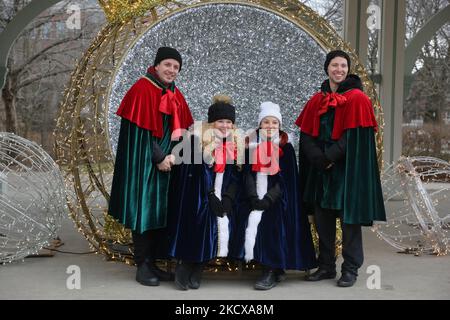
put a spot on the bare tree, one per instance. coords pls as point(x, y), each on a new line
point(8, 9)
point(40, 64)
point(428, 94)
point(428, 98)
point(331, 10)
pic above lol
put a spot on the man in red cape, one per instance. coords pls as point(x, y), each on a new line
point(153, 113)
point(338, 167)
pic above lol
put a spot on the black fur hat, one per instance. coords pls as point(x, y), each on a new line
point(167, 53)
point(221, 109)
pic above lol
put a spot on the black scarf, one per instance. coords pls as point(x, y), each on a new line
point(351, 82)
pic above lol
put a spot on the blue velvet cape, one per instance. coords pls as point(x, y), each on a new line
point(284, 236)
point(192, 225)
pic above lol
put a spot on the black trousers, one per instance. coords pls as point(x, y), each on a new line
point(150, 245)
point(352, 247)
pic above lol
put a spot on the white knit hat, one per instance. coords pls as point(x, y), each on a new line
point(269, 109)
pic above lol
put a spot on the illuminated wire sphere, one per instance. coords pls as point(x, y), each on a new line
point(32, 198)
point(416, 192)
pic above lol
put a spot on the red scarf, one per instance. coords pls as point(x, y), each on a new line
point(267, 155)
point(331, 100)
point(169, 105)
point(312, 115)
point(226, 150)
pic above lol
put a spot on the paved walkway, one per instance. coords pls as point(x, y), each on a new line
point(403, 276)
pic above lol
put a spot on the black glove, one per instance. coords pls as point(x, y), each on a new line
point(337, 150)
point(227, 204)
point(274, 193)
point(215, 204)
point(322, 163)
point(228, 198)
point(310, 146)
point(261, 204)
point(269, 199)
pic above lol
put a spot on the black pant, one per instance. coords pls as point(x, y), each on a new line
point(352, 248)
point(150, 245)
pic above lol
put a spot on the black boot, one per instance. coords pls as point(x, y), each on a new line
point(269, 279)
point(183, 271)
point(280, 275)
point(346, 280)
point(161, 274)
point(196, 276)
point(321, 274)
point(145, 276)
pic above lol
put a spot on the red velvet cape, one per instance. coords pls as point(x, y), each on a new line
point(144, 105)
point(352, 112)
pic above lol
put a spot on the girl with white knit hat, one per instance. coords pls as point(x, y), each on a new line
point(274, 233)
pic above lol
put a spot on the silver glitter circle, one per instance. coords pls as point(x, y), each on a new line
point(246, 52)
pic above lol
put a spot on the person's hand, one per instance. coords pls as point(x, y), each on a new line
point(274, 193)
point(215, 204)
point(227, 204)
point(164, 165)
point(262, 204)
point(269, 199)
point(321, 162)
point(171, 159)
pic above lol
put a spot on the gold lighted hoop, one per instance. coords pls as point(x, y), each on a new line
point(82, 145)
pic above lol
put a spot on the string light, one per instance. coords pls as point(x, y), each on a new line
point(338, 241)
point(32, 198)
point(117, 11)
point(419, 227)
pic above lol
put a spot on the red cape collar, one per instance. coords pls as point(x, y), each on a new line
point(353, 109)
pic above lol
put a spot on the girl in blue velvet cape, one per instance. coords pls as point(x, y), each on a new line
point(202, 197)
point(273, 230)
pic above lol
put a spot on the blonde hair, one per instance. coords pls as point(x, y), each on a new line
point(221, 98)
point(208, 141)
